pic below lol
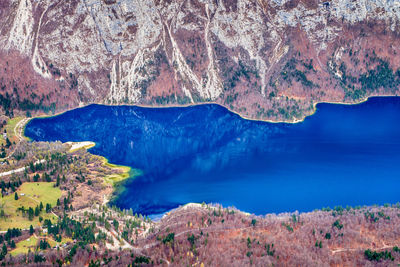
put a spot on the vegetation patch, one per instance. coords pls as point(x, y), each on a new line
point(29, 195)
point(9, 130)
point(8, 137)
point(378, 256)
point(290, 72)
point(34, 243)
point(24, 246)
point(124, 173)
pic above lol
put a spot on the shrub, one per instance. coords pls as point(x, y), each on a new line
point(169, 238)
point(378, 256)
point(337, 224)
point(328, 236)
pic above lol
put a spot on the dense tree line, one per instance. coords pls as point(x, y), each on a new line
point(34, 212)
point(6, 186)
point(9, 103)
point(7, 237)
point(378, 256)
point(84, 234)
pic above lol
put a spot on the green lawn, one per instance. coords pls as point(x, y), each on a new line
point(64, 240)
point(40, 192)
point(34, 194)
point(9, 127)
point(119, 177)
point(23, 246)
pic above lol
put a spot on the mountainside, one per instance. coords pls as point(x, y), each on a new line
point(264, 59)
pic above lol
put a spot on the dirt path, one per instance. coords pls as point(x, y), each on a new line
point(18, 129)
point(74, 146)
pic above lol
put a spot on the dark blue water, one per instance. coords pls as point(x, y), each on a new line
point(341, 155)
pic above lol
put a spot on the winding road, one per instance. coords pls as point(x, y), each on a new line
point(74, 146)
point(2, 174)
point(19, 127)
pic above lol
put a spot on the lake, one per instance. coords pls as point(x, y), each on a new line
point(341, 155)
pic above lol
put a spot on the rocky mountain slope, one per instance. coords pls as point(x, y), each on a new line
point(266, 59)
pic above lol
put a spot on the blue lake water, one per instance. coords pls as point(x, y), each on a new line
point(341, 155)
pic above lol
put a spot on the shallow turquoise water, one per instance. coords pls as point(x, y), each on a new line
point(341, 155)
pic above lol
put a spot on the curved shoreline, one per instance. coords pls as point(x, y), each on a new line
point(42, 116)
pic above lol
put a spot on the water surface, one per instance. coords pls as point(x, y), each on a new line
point(341, 155)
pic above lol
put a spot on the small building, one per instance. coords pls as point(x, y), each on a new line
point(22, 194)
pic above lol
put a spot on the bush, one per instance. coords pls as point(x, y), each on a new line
point(337, 224)
point(43, 244)
point(288, 227)
point(328, 236)
point(140, 259)
point(169, 238)
point(378, 256)
point(39, 258)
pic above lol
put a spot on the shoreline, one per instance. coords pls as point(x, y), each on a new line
point(43, 116)
point(75, 146)
point(117, 180)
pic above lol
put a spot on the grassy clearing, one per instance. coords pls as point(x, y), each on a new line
point(41, 192)
point(24, 246)
point(125, 173)
point(34, 193)
point(31, 244)
point(9, 127)
point(54, 243)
